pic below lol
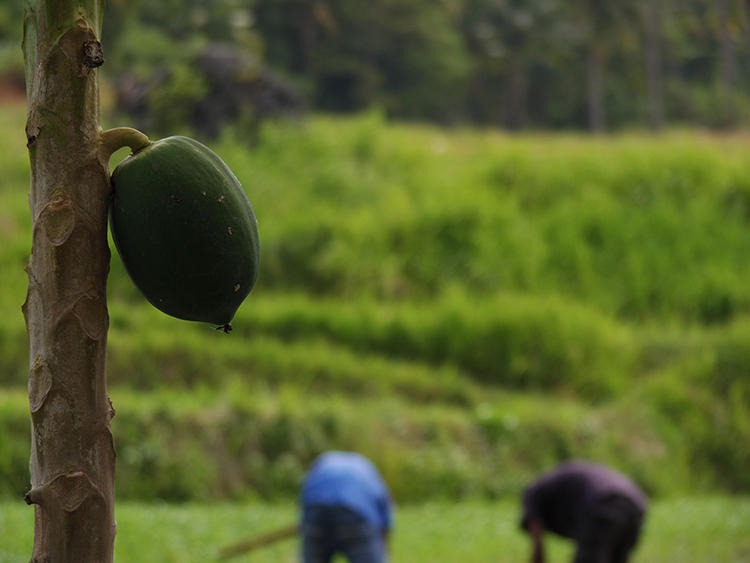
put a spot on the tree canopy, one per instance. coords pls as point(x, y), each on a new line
point(542, 64)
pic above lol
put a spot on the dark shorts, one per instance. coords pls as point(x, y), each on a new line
point(328, 530)
point(609, 532)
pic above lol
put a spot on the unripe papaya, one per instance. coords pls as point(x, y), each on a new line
point(185, 230)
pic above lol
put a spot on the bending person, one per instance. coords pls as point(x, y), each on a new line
point(346, 509)
point(597, 507)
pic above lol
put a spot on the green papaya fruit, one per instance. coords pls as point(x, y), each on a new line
point(185, 230)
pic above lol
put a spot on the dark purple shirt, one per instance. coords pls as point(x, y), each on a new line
point(561, 498)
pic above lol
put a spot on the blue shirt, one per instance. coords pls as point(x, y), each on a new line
point(350, 480)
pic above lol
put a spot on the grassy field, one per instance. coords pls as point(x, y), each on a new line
point(685, 530)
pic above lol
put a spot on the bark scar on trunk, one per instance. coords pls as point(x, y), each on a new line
point(58, 219)
point(82, 48)
point(33, 127)
point(91, 312)
point(93, 55)
point(70, 490)
point(40, 384)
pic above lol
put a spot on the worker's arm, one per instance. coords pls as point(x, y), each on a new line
point(385, 509)
point(535, 528)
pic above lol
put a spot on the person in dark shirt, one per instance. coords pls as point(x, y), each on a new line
point(346, 508)
point(597, 507)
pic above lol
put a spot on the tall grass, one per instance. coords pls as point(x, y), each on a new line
point(466, 307)
point(241, 440)
point(502, 340)
point(637, 227)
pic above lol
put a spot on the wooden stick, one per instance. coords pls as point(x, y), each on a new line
point(259, 541)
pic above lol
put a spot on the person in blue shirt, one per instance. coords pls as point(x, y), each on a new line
point(346, 509)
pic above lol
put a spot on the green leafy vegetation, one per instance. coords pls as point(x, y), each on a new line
point(465, 307)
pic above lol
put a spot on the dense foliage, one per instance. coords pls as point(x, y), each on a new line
point(513, 63)
point(467, 308)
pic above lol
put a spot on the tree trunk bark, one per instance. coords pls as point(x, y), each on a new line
point(595, 88)
point(515, 111)
point(654, 65)
point(727, 64)
point(72, 453)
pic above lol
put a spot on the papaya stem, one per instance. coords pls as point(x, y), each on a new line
point(114, 139)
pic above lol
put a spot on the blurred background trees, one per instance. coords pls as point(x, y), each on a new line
point(541, 64)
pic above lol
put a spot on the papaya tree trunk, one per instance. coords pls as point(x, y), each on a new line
point(72, 453)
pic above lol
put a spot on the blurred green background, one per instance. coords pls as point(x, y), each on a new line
point(495, 235)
